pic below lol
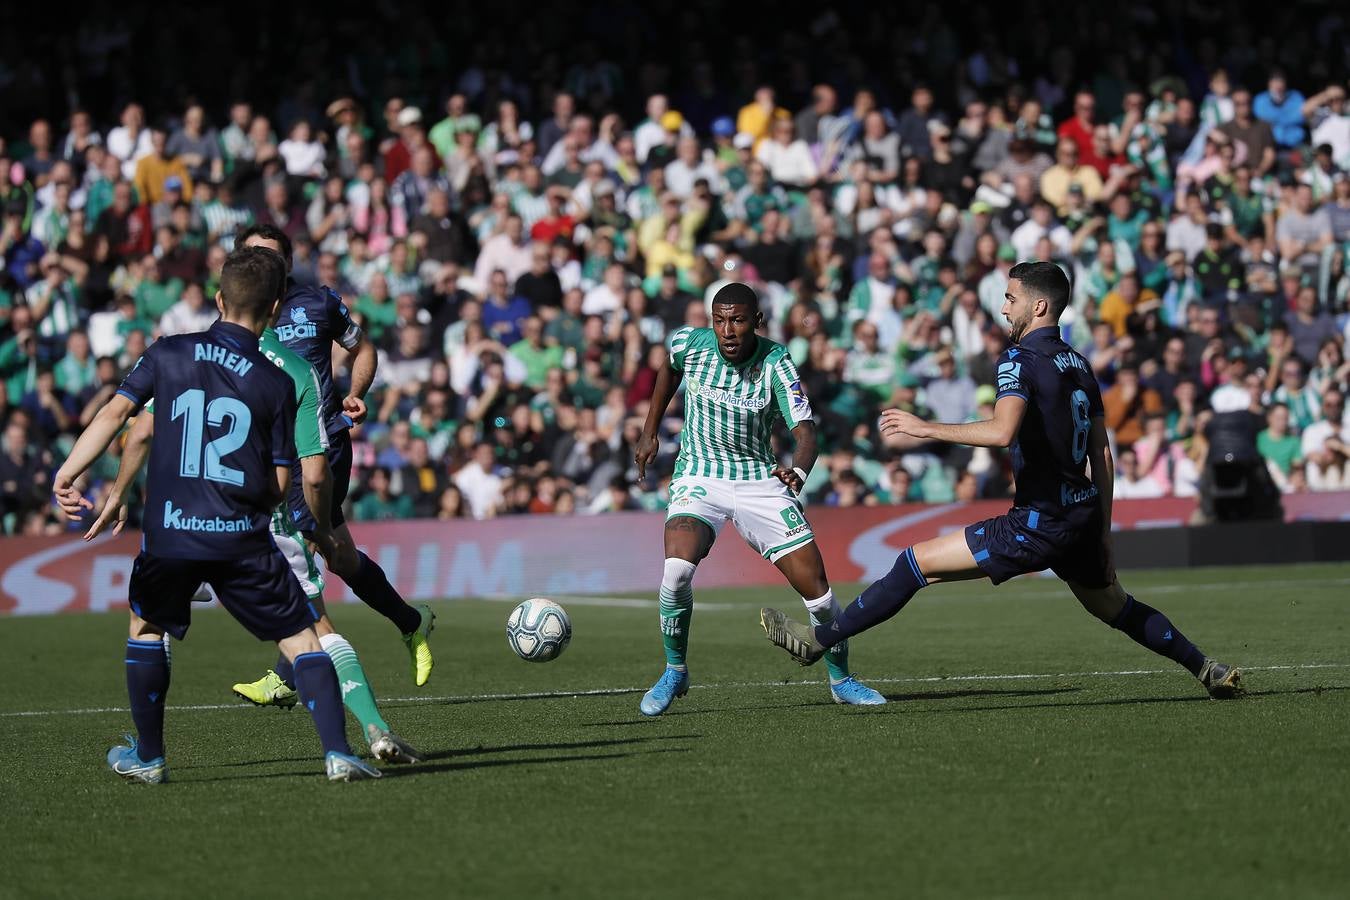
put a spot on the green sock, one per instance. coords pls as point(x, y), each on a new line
point(356, 693)
point(677, 608)
point(822, 612)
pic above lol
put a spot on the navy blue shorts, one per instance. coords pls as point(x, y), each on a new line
point(340, 463)
point(1029, 540)
point(259, 590)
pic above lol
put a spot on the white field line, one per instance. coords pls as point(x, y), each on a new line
point(616, 691)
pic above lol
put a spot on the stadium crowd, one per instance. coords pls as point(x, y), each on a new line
point(519, 252)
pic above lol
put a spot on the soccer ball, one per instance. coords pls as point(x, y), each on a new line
point(538, 630)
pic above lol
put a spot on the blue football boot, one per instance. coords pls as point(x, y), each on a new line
point(125, 761)
point(853, 692)
point(672, 683)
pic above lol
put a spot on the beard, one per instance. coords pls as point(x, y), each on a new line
point(1017, 328)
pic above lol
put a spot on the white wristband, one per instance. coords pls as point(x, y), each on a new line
point(801, 475)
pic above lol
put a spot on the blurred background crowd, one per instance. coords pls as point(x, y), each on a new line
point(518, 214)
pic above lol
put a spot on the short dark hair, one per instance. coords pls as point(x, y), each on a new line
point(1044, 279)
point(735, 294)
point(251, 280)
point(267, 233)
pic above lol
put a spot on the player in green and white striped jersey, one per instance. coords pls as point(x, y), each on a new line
point(736, 385)
point(311, 443)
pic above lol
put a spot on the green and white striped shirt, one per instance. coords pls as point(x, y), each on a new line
point(729, 409)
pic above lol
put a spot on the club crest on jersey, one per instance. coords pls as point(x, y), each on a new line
point(755, 373)
point(300, 327)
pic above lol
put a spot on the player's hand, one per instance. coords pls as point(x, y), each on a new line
point(789, 478)
point(115, 511)
point(355, 408)
point(71, 501)
point(645, 454)
point(897, 421)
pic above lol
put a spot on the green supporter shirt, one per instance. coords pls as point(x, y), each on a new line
point(729, 409)
point(371, 508)
point(537, 360)
point(153, 300)
point(1284, 451)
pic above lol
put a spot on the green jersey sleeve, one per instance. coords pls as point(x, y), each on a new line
point(679, 347)
point(792, 401)
point(311, 437)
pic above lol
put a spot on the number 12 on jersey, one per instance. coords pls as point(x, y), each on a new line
point(198, 462)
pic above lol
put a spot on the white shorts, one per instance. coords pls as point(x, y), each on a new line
point(765, 512)
point(307, 567)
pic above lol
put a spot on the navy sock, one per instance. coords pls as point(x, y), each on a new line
point(879, 602)
point(369, 584)
point(147, 685)
point(285, 671)
point(1146, 626)
point(317, 682)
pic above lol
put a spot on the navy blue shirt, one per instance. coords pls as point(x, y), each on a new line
point(224, 420)
point(312, 319)
point(1050, 452)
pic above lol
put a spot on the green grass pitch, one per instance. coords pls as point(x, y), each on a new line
point(1104, 772)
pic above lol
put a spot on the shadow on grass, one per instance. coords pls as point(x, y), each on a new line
point(434, 768)
point(429, 763)
point(1117, 701)
point(823, 703)
point(570, 745)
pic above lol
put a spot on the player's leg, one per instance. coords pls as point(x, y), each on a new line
point(945, 558)
point(371, 586)
point(805, 572)
point(265, 597)
point(1150, 628)
point(277, 686)
point(691, 527)
point(159, 594)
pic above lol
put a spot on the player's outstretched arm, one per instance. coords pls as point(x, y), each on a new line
point(90, 446)
point(667, 381)
point(134, 453)
point(996, 432)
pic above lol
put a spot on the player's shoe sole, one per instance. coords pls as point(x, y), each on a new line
point(389, 747)
point(852, 692)
point(1224, 682)
point(124, 761)
point(672, 685)
point(345, 767)
point(269, 690)
point(419, 651)
point(792, 636)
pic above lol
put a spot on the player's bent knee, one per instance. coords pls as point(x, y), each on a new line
point(140, 630)
point(1103, 602)
point(301, 642)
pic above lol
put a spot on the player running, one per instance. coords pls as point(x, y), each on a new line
point(226, 421)
point(737, 383)
point(311, 442)
point(1049, 410)
point(311, 320)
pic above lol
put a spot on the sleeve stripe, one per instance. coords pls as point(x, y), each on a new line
point(1012, 394)
point(130, 396)
point(279, 461)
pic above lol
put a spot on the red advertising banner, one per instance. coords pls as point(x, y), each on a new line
point(549, 556)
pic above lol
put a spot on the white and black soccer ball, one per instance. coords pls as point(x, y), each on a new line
point(538, 630)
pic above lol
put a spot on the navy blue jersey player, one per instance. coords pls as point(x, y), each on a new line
point(311, 321)
point(1049, 410)
point(225, 419)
